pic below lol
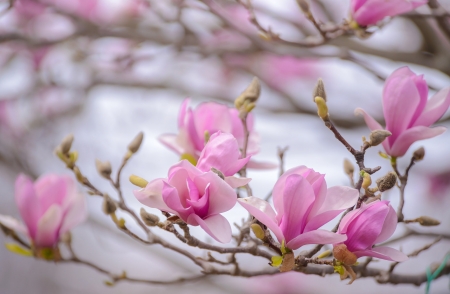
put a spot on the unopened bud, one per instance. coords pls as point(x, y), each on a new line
point(349, 169)
point(109, 206)
point(377, 137)
point(218, 172)
point(427, 221)
point(367, 180)
point(319, 90)
point(288, 262)
point(324, 254)
point(247, 99)
point(419, 154)
point(149, 219)
point(342, 254)
point(138, 181)
point(322, 108)
point(66, 144)
point(136, 143)
point(304, 6)
point(387, 182)
point(103, 168)
point(258, 231)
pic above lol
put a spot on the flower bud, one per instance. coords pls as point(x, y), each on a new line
point(342, 254)
point(419, 154)
point(322, 108)
point(103, 168)
point(387, 182)
point(348, 167)
point(288, 262)
point(136, 143)
point(109, 206)
point(251, 94)
point(66, 144)
point(367, 180)
point(258, 231)
point(377, 137)
point(138, 181)
point(319, 90)
point(304, 6)
point(427, 221)
point(149, 219)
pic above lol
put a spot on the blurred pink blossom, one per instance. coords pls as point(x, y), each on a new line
point(196, 197)
point(50, 207)
point(369, 225)
point(408, 111)
point(303, 204)
point(369, 12)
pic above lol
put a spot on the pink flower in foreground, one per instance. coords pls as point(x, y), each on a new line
point(207, 117)
point(369, 12)
point(408, 112)
point(196, 197)
point(371, 224)
point(222, 153)
point(303, 204)
point(50, 207)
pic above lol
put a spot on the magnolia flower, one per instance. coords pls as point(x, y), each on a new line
point(408, 112)
point(207, 118)
point(222, 153)
point(50, 207)
point(303, 204)
point(371, 224)
point(196, 197)
point(369, 12)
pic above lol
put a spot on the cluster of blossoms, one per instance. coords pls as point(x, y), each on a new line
point(216, 144)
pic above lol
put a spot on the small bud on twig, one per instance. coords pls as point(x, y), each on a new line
point(319, 91)
point(66, 144)
point(258, 231)
point(367, 180)
point(349, 168)
point(138, 181)
point(108, 206)
point(419, 154)
point(136, 143)
point(425, 221)
point(149, 219)
point(246, 101)
point(342, 254)
point(377, 137)
point(103, 168)
point(288, 262)
point(387, 182)
point(322, 108)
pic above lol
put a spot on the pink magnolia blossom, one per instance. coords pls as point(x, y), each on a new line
point(369, 12)
point(408, 112)
point(196, 197)
point(222, 153)
point(371, 224)
point(303, 204)
point(207, 117)
point(50, 207)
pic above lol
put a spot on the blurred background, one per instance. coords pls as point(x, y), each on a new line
point(106, 69)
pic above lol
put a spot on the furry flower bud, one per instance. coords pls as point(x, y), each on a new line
point(387, 182)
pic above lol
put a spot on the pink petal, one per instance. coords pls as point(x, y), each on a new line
point(297, 198)
point(263, 212)
point(408, 137)
point(337, 199)
point(182, 113)
point(171, 142)
point(151, 195)
point(216, 226)
point(186, 167)
point(47, 233)
point(370, 121)
point(277, 193)
point(435, 108)
point(28, 203)
point(201, 205)
point(222, 196)
point(13, 224)
point(212, 117)
point(171, 197)
point(389, 226)
point(385, 253)
point(75, 213)
point(51, 189)
point(237, 182)
point(315, 237)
